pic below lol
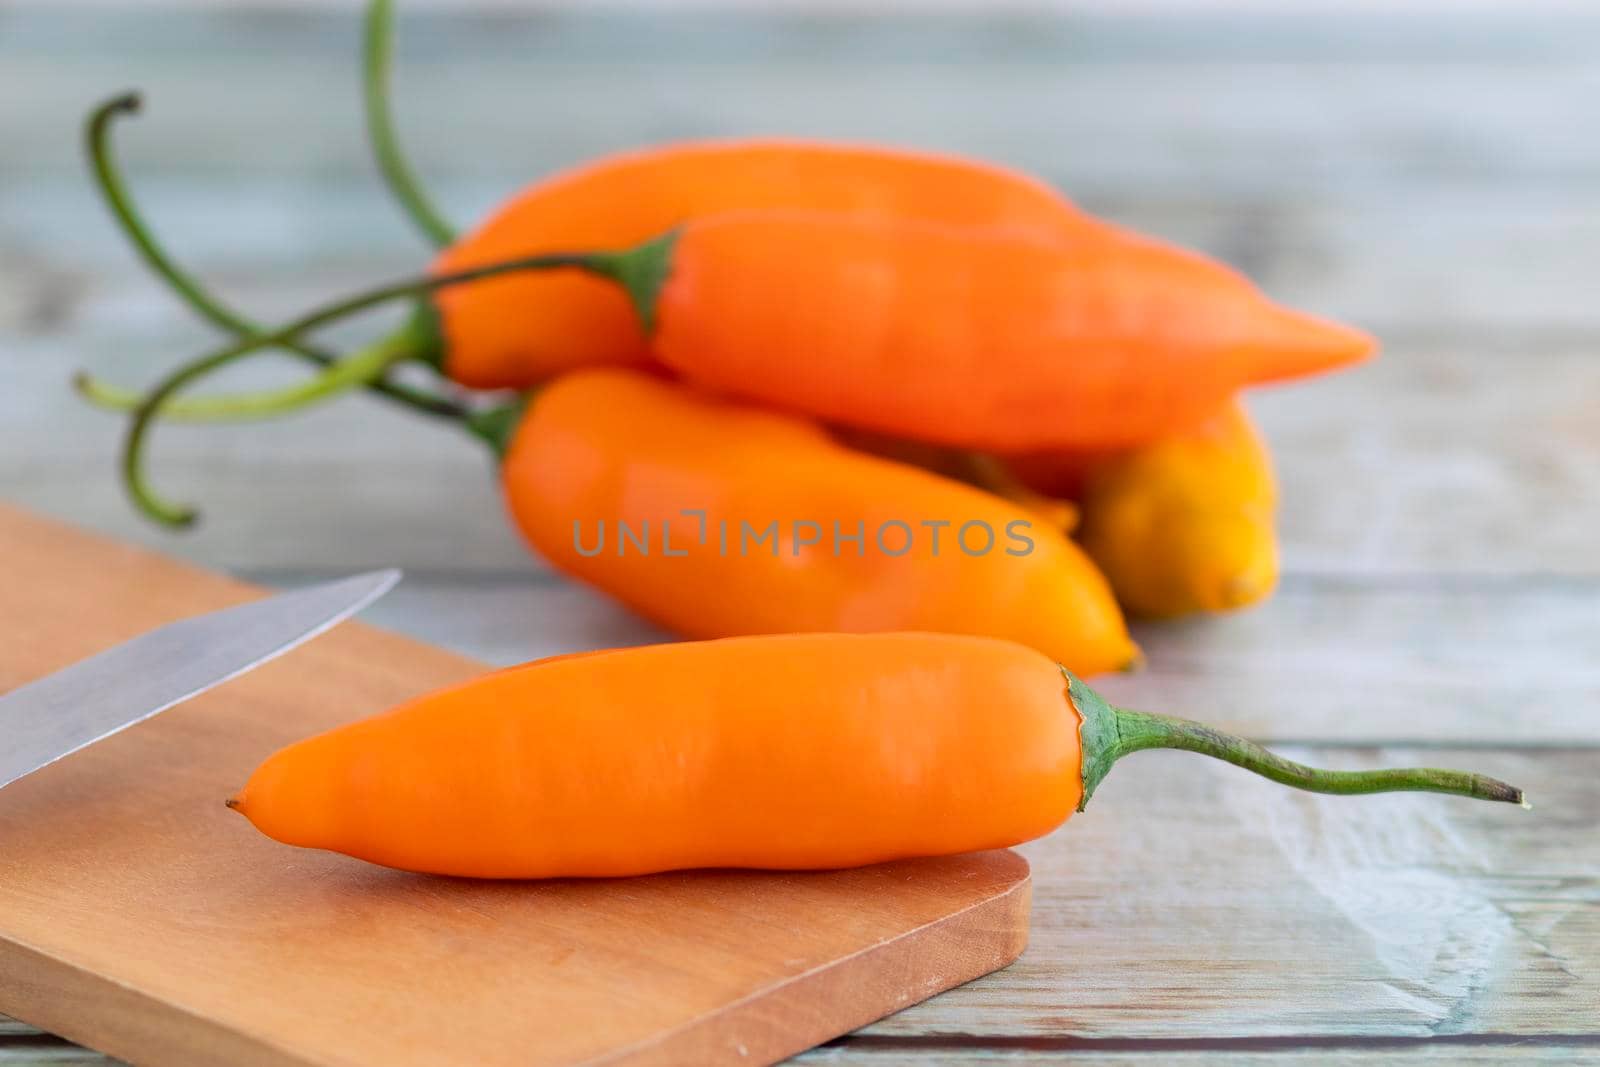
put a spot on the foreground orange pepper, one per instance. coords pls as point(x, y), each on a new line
point(716, 520)
point(1181, 525)
point(517, 331)
point(794, 752)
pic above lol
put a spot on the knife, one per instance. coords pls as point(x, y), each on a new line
point(62, 712)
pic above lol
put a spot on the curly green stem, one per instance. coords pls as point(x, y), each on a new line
point(417, 341)
point(113, 190)
point(354, 370)
point(108, 397)
point(1109, 733)
point(401, 179)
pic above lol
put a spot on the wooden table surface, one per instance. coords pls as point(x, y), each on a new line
point(1432, 177)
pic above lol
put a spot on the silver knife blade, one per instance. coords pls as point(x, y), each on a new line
point(62, 712)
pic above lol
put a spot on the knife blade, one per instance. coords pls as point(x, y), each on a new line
point(55, 716)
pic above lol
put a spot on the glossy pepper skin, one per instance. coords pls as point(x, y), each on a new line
point(983, 342)
point(517, 331)
point(794, 752)
point(1182, 525)
point(603, 446)
point(790, 752)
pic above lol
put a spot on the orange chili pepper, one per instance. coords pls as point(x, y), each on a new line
point(517, 331)
point(717, 520)
point(971, 340)
point(968, 339)
point(803, 751)
point(1180, 525)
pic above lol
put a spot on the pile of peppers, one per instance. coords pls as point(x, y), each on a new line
point(779, 386)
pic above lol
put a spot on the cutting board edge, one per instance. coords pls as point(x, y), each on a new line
point(140, 1028)
point(715, 1038)
point(124, 1022)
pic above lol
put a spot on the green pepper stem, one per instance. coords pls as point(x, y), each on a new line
point(418, 341)
point(360, 368)
point(226, 408)
point(1109, 733)
point(401, 179)
point(114, 191)
point(642, 271)
point(495, 426)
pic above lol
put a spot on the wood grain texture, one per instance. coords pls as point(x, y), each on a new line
point(1326, 659)
point(872, 1052)
point(1194, 901)
point(935, 1053)
point(1220, 1053)
point(139, 916)
point(45, 1052)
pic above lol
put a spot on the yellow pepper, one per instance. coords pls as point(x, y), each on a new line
point(1179, 526)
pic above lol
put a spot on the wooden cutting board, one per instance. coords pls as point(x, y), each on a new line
point(139, 916)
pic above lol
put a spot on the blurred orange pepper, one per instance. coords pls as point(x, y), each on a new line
point(714, 520)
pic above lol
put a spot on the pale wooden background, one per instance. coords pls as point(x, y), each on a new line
point(1433, 177)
